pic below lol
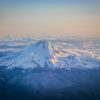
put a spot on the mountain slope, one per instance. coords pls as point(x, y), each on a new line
point(45, 54)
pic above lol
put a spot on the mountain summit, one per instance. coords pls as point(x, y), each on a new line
point(32, 56)
point(45, 54)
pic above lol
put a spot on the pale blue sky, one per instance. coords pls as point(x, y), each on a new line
point(50, 17)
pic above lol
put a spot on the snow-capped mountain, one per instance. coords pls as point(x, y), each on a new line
point(46, 54)
point(55, 69)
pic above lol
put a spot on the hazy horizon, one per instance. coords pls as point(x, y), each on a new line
point(50, 18)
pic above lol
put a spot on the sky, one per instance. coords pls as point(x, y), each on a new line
point(55, 18)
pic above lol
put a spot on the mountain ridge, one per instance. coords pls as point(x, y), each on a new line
point(45, 54)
